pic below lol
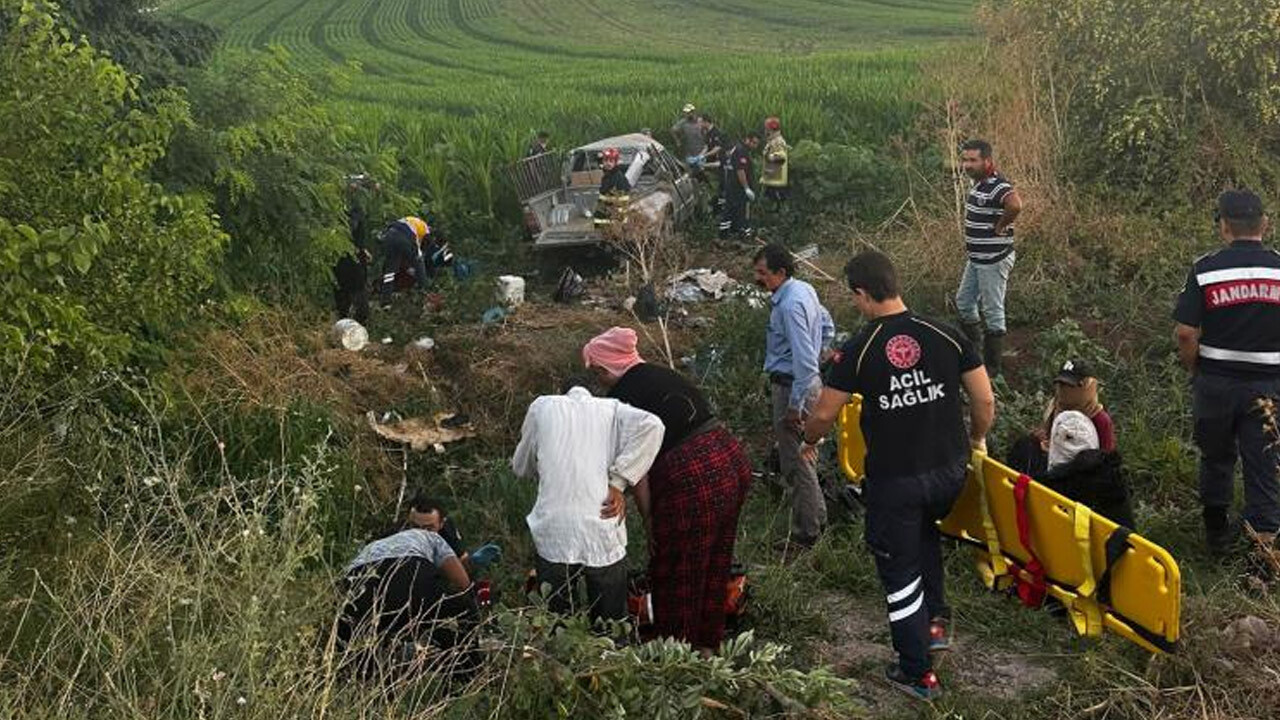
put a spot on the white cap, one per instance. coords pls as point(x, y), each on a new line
point(688, 108)
point(1073, 432)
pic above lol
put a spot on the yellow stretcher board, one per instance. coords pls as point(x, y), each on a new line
point(1137, 595)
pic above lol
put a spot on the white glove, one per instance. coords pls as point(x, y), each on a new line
point(751, 195)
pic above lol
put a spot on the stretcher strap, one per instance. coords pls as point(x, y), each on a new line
point(995, 566)
point(1083, 608)
point(1117, 546)
point(1083, 519)
point(1160, 642)
point(1031, 587)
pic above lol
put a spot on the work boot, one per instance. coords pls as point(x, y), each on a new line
point(993, 352)
point(973, 331)
point(1217, 532)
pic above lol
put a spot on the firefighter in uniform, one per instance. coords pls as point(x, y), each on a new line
point(1228, 332)
point(775, 178)
point(736, 173)
point(615, 188)
point(909, 370)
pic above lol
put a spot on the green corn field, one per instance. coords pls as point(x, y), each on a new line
point(456, 88)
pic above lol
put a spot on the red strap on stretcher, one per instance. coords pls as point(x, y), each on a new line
point(1030, 584)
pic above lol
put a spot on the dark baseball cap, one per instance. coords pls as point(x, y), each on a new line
point(1239, 205)
point(1074, 373)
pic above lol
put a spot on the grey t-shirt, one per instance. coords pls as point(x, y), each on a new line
point(414, 542)
point(691, 137)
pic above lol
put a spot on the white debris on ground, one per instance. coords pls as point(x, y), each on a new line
point(704, 284)
point(420, 433)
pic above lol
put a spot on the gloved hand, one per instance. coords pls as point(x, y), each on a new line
point(486, 554)
point(751, 195)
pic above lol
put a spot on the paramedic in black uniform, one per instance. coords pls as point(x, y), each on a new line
point(1228, 331)
point(909, 370)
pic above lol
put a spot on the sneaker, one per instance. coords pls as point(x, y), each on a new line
point(939, 638)
point(926, 688)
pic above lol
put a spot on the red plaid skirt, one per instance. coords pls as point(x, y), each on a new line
point(697, 490)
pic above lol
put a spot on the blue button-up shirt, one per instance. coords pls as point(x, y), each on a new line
point(799, 327)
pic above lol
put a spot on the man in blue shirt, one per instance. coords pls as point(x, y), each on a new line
point(799, 328)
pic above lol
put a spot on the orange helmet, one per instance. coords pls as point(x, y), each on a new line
point(772, 124)
point(610, 154)
point(418, 226)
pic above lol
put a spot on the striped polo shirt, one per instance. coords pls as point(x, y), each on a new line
point(1233, 296)
point(983, 208)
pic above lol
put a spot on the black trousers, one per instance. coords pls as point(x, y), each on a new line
point(733, 217)
point(351, 293)
point(399, 251)
point(902, 533)
point(1230, 424)
point(606, 588)
point(400, 600)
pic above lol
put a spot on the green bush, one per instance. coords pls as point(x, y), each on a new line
point(95, 257)
point(831, 177)
point(1155, 86)
point(272, 156)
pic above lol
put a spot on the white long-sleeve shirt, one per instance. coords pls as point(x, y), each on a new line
point(574, 444)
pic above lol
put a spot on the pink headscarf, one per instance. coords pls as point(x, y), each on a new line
point(614, 350)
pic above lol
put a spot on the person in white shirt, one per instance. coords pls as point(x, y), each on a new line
point(585, 451)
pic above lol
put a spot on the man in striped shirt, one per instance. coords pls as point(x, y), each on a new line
point(1228, 331)
point(990, 208)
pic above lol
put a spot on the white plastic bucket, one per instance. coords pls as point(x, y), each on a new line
point(350, 334)
point(511, 290)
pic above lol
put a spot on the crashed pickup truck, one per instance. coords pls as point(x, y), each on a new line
point(560, 192)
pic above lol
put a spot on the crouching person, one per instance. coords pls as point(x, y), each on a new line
point(585, 452)
point(403, 591)
point(1080, 469)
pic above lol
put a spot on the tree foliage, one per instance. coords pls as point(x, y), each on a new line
point(95, 256)
point(157, 46)
point(272, 156)
point(1150, 87)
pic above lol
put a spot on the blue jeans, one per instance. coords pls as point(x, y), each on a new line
point(984, 286)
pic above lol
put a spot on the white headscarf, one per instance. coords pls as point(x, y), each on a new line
point(1073, 432)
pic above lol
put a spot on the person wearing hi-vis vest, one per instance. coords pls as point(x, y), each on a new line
point(1228, 333)
point(910, 371)
point(402, 247)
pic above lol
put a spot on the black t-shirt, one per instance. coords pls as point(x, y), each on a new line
point(739, 158)
point(667, 394)
point(450, 533)
point(715, 140)
point(907, 369)
point(1233, 296)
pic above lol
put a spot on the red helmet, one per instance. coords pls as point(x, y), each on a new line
point(610, 154)
point(772, 124)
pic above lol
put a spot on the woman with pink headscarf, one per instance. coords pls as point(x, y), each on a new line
point(696, 489)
